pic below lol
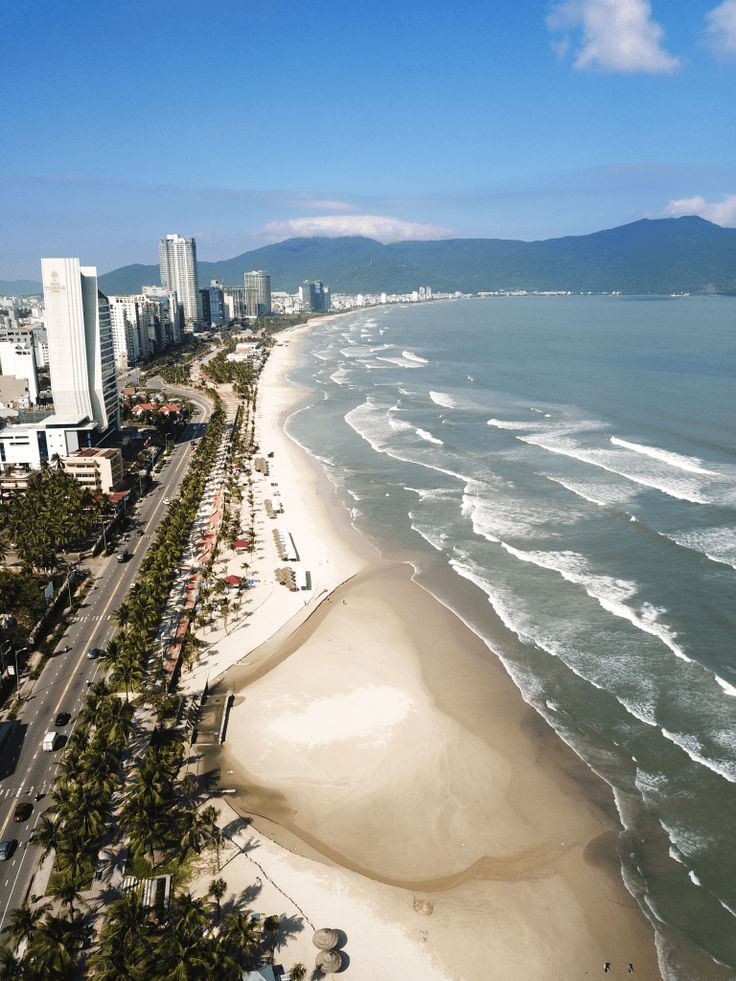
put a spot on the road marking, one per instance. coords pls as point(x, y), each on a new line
point(12, 889)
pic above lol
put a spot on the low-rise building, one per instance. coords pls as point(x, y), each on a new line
point(100, 470)
point(14, 393)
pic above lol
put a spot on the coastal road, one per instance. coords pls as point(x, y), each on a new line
point(25, 768)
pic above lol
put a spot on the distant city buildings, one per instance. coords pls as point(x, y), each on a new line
point(235, 302)
point(257, 293)
point(314, 297)
point(178, 263)
point(212, 300)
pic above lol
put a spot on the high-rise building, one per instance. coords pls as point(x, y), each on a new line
point(257, 293)
point(125, 322)
point(235, 304)
point(314, 296)
point(81, 355)
point(179, 273)
point(168, 313)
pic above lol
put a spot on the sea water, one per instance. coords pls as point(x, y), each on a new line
point(561, 471)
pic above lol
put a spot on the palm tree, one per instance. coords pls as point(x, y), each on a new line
point(11, 966)
point(53, 950)
point(211, 831)
point(23, 922)
point(66, 889)
point(123, 940)
point(270, 930)
point(298, 972)
point(47, 835)
point(240, 935)
point(217, 889)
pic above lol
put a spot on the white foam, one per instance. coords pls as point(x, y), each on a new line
point(433, 536)
point(612, 462)
point(369, 421)
point(729, 689)
point(576, 489)
point(728, 909)
point(687, 463)
point(674, 854)
point(410, 356)
point(717, 544)
point(691, 746)
point(423, 434)
point(693, 878)
point(339, 376)
point(400, 362)
point(508, 424)
point(443, 399)
point(610, 593)
point(466, 568)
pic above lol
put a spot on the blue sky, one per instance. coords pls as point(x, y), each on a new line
point(247, 122)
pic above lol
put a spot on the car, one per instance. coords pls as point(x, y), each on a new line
point(7, 848)
point(64, 649)
point(93, 652)
point(62, 718)
point(167, 500)
point(22, 811)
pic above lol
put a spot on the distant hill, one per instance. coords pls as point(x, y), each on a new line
point(20, 287)
point(666, 255)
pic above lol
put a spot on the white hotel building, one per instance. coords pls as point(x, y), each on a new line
point(82, 368)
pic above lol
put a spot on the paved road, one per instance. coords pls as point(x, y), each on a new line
point(25, 768)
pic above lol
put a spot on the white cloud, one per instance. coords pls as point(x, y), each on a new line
point(380, 227)
point(721, 29)
point(721, 212)
point(615, 36)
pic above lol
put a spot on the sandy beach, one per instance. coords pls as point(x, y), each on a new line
point(390, 780)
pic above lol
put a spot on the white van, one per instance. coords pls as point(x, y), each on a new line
point(49, 741)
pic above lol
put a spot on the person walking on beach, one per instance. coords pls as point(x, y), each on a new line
point(606, 967)
point(630, 968)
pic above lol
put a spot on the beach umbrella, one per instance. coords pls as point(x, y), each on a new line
point(328, 961)
point(326, 939)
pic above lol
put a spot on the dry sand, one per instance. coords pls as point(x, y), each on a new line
point(399, 788)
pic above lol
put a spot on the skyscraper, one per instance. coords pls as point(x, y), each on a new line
point(81, 356)
point(257, 293)
point(179, 272)
point(314, 296)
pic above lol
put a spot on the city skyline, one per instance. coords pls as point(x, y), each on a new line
point(527, 122)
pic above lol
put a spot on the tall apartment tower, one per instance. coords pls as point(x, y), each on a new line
point(179, 272)
point(257, 293)
point(81, 354)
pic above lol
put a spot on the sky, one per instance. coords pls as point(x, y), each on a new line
point(244, 122)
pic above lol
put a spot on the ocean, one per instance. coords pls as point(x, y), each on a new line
point(561, 471)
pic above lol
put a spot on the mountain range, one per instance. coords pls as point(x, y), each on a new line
point(658, 256)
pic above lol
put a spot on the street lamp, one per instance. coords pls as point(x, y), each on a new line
point(17, 675)
point(70, 569)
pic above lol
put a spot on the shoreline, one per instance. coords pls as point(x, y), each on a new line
point(514, 832)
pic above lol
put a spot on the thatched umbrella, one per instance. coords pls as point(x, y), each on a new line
point(328, 961)
point(326, 939)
